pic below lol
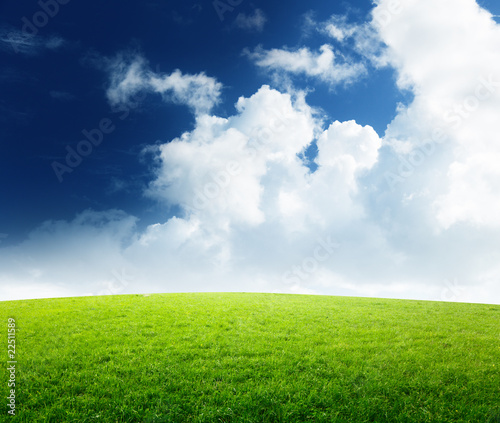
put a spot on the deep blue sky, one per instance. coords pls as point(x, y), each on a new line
point(35, 127)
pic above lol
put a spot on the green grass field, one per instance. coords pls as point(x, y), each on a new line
point(252, 358)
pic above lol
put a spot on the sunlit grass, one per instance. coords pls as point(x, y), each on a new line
point(253, 358)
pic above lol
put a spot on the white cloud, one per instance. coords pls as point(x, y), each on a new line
point(324, 65)
point(130, 75)
point(253, 213)
point(348, 145)
point(338, 28)
point(253, 22)
point(199, 91)
point(448, 55)
point(218, 168)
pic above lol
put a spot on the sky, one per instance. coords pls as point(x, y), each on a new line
point(330, 148)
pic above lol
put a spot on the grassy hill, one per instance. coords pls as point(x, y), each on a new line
point(252, 358)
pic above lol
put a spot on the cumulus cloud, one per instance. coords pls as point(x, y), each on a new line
point(324, 65)
point(130, 74)
point(253, 22)
point(251, 207)
point(449, 59)
point(265, 136)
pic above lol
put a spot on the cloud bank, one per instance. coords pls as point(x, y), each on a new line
point(412, 213)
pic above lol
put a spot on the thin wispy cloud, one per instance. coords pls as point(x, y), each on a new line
point(252, 22)
point(16, 41)
point(361, 39)
point(61, 95)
